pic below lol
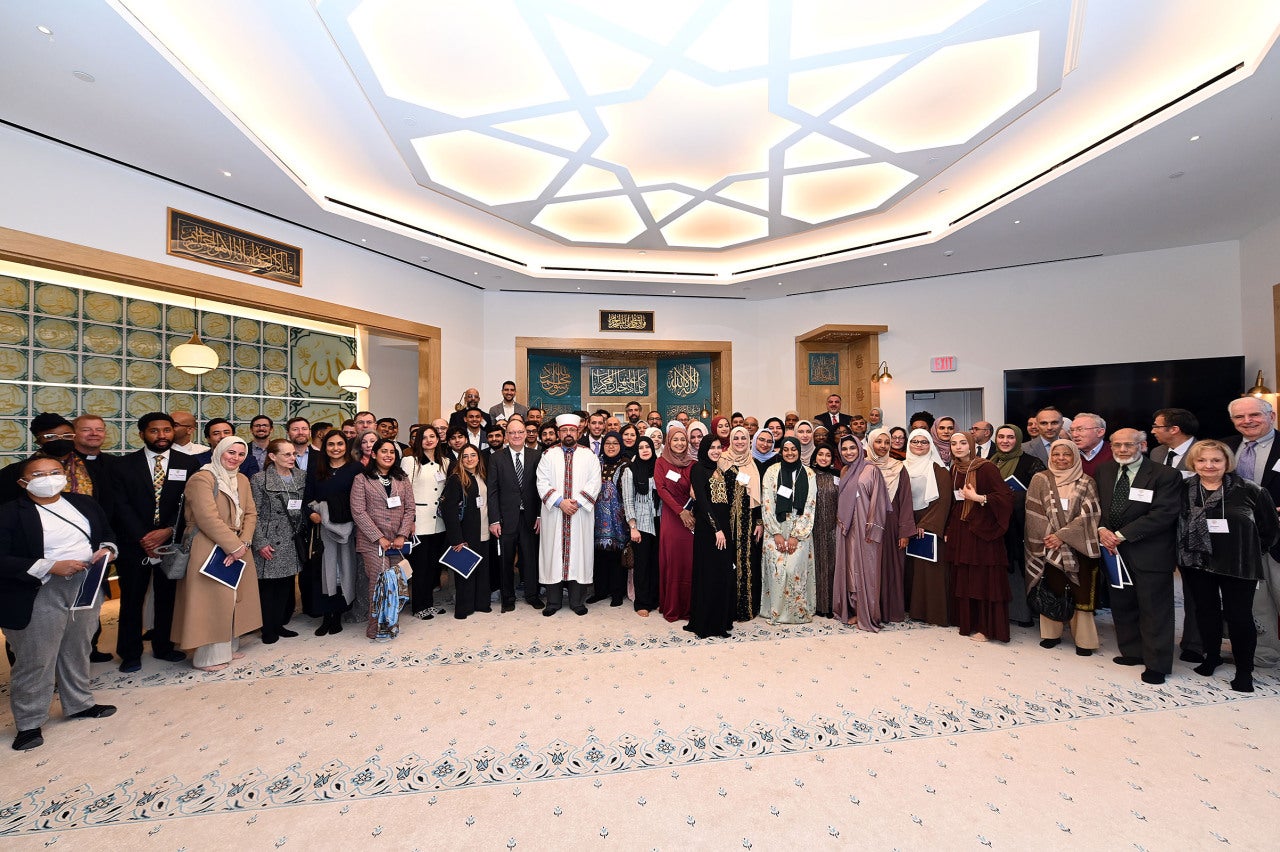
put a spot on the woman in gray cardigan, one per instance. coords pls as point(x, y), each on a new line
point(277, 492)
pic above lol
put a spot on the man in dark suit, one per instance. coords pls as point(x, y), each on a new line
point(1140, 504)
point(508, 408)
point(1257, 460)
point(298, 431)
point(1175, 429)
point(514, 514)
point(831, 418)
point(593, 437)
point(470, 400)
point(144, 524)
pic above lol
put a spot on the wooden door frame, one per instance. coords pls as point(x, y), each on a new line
point(844, 337)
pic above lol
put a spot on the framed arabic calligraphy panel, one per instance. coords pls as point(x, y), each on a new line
point(627, 321)
point(210, 242)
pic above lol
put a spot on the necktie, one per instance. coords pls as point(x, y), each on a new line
point(157, 482)
point(595, 447)
point(519, 470)
point(1119, 498)
point(1248, 461)
point(1170, 458)
point(979, 451)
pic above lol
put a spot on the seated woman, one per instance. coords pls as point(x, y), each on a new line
point(47, 541)
point(1062, 542)
point(790, 494)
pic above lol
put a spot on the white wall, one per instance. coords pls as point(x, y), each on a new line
point(393, 364)
point(56, 192)
point(1259, 273)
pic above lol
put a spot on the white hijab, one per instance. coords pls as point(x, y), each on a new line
point(227, 480)
point(924, 484)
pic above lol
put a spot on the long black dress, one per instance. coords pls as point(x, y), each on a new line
point(713, 595)
point(1028, 466)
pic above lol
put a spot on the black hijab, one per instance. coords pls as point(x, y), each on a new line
point(704, 453)
point(793, 476)
point(641, 470)
point(611, 464)
point(827, 468)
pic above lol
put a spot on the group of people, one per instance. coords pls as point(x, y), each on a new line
point(834, 516)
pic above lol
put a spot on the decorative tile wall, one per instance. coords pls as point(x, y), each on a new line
point(73, 351)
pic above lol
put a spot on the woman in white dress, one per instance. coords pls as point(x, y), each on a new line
point(790, 494)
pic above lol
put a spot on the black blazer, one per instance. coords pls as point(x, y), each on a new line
point(1149, 529)
point(134, 500)
point(467, 530)
point(504, 498)
point(459, 419)
point(22, 543)
point(1270, 481)
point(824, 419)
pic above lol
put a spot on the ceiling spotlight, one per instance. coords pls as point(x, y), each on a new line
point(226, 173)
point(947, 253)
point(886, 263)
point(45, 30)
point(424, 258)
point(642, 253)
point(83, 76)
point(1195, 138)
point(1017, 221)
point(1176, 175)
point(363, 240)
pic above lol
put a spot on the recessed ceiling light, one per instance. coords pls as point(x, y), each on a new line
point(424, 258)
point(944, 189)
point(42, 28)
point(579, 288)
point(1176, 175)
point(475, 273)
point(363, 240)
point(673, 292)
point(1017, 221)
point(886, 263)
point(226, 173)
point(83, 76)
point(1195, 138)
point(643, 253)
point(947, 253)
point(779, 283)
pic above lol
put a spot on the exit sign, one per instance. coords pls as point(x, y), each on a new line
point(943, 364)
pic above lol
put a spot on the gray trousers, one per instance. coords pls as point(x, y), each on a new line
point(52, 649)
point(1265, 601)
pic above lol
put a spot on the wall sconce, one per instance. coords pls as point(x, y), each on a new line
point(197, 358)
point(1259, 388)
point(882, 374)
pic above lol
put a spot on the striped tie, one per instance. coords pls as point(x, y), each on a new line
point(157, 481)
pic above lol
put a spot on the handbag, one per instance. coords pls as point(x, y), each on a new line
point(1058, 606)
point(175, 555)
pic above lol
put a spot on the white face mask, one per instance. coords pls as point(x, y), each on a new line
point(47, 486)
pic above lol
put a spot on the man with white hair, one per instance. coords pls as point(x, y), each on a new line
point(568, 485)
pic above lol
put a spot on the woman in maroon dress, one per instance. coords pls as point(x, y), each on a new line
point(675, 533)
point(975, 544)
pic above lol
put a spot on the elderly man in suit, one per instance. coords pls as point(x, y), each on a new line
point(1258, 460)
point(1140, 504)
point(515, 513)
point(145, 495)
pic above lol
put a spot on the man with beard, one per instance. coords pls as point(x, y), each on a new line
point(654, 419)
point(632, 410)
point(261, 428)
point(568, 484)
point(1140, 502)
point(147, 485)
point(508, 408)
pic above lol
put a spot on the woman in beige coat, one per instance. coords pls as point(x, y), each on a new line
point(208, 616)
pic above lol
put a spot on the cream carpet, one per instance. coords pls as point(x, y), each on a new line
point(610, 731)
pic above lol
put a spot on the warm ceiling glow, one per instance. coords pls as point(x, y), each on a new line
point(819, 90)
point(834, 193)
point(815, 149)
point(711, 225)
point(425, 54)
point(587, 180)
point(662, 202)
point(828, 26)
point(594, 220)
point(564, 130)
point(962, 89)
point(489, 170)
point(686, 131)
point(600, 64)
point(752, 192)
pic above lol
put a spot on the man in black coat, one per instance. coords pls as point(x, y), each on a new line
point(832, 417)
point(515, 514)
point(144, 524)
point(1140, 503)
point(1255, 423)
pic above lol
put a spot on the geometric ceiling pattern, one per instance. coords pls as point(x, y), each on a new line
point(703, 125)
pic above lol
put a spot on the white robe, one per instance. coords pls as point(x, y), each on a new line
point(575, 559)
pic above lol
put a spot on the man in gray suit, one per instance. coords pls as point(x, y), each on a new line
point(508, 408)
point(1049, 423)
point(1175, 429)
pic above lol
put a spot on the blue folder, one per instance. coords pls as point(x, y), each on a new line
point(925, 547)
point(463, 562)
point(215, 568)
point(1117, 572)
point(1016, 484)
point(91, 588)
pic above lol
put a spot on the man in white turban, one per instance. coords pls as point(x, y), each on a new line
point(568, 485)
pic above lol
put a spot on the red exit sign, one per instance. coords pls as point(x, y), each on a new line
point(943, 364)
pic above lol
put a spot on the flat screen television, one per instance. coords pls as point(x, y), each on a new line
point(1129, 394)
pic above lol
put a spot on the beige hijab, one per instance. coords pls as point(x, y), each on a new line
point(228, 480)
point(890, 467)
point(744, 463)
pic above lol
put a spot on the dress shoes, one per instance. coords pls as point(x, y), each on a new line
point(174, 656)
point(536, 603)
point(1153, 677)
point(1050, 643)
point(1127, 661)
point(286, 633)
point(1084, 652)
point(27, 740)
point(596, 598)
point(130, 666)
point(580, 610)
point(508, 606)
point(96, 656)
point(97, 711)
point(550, 610)
point(271, 640)
point(1191, 657)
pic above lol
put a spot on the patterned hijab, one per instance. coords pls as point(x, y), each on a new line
point(610, 465)
point(228, 480)
point(1008, 462)
point(743, 463)
point(890, 467)
point(943, 448)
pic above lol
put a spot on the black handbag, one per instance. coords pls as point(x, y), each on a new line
point(1058, 606)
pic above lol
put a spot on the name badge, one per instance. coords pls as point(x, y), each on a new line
point(480, 502)
point(177, 474)
point(1276, 467)
point(835, 480)
point(1064, 501)
point(784, 491)
point(1218, 525)
point(958, 494)
point(673, 476)
point(743, 479)
point(1141, 495)
point(440, 476)
point(295, 505)
point(393, 502)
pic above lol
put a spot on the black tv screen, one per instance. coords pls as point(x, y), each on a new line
point(1129, 394)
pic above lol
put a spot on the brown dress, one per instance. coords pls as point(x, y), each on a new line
point(824, 541)
point(930, 593)
point(205, 611)
point(979, 563)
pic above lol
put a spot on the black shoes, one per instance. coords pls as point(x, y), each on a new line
point(536, 603)
point(1242, 682)
point(580, 610)
point(596, 598)
point(97, 711)
point(332, 623)
point(270, 640)
point(27, 740)
point(1206, 668)
point(130, 666)
point(508, 606)
point(1153, 677)
point(286, 633)
point(1127, 661)
point(550, 610)
point(96, 656)
point(1191, 657)
point(174, 656)
point(1050, 643)
point(1084, 652)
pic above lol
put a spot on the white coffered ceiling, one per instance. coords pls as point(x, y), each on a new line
point(750, 148)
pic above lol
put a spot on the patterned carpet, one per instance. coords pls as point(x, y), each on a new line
point(612, 731)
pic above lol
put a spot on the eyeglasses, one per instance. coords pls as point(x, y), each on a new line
point(1158, 426)
point(41, 474)
point(1124, 444)
point(919, 442)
